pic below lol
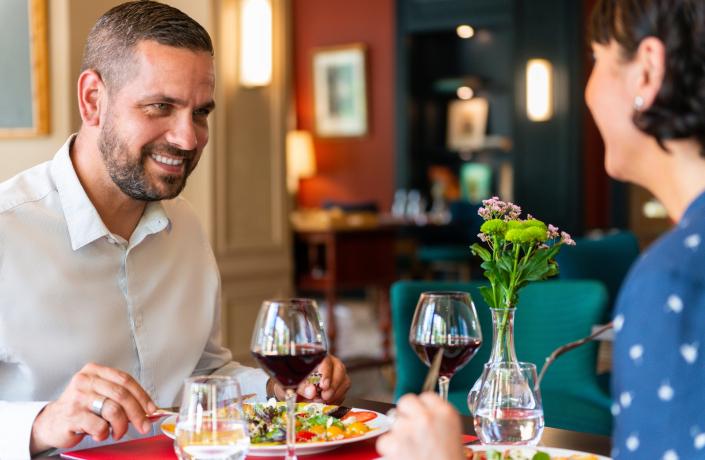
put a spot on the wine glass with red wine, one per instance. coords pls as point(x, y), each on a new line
point(445, 322)
point(289, 342)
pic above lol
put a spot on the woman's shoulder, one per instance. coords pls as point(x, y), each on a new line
point(680, 251)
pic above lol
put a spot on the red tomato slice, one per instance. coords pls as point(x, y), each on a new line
point(360, 416)
point(303, 436)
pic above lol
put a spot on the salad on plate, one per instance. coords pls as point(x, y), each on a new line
point(527, 453)
point(315, 422)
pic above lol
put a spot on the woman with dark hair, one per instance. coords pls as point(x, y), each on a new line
point(647, 95)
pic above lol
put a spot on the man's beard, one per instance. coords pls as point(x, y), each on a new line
point(129, 173)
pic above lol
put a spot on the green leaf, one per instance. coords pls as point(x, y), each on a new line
point(506, 262)
point(491, 272)
point(494, 455)
point(486, 292)
point(478, 250)
point(541, 456)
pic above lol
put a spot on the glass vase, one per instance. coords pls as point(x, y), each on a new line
point(508, 409)
point(502, 347)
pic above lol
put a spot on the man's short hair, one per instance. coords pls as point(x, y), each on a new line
point(111, 43)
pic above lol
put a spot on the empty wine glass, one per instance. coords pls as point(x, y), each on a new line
point(211, 424)
point(509, 409)
point(445, 321)
point(289, 342)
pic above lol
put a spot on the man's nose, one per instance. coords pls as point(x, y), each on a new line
point(182, 133)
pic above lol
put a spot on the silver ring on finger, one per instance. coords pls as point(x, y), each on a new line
point(97, 406)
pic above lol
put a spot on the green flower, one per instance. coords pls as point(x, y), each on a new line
point(494, 227)
point(536, 234)
point(515, 235)
point(535, 223)
point(518, 251)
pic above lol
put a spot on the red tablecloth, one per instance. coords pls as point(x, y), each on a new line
point(162, 448)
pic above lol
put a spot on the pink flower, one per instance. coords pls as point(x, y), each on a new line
point(566, 239)
point(552, 231)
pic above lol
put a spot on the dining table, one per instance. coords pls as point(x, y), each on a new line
point(552, 437)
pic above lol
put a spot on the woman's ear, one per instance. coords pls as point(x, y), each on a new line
point(90, 92)
point(651, 62)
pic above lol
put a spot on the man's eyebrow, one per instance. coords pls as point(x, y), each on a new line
point(210, 105)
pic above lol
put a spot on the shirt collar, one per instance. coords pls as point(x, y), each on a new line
point(694, 208)
point(82, 219)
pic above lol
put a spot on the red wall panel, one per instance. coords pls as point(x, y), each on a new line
point(349, 169)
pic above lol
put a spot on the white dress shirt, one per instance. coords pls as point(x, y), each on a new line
point(71, 292)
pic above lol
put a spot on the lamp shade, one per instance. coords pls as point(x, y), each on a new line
point(300, 158)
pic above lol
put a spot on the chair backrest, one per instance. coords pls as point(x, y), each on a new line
point(606, 259)
point(549, 314)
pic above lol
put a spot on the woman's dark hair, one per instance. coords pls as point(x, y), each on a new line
point(678, 112)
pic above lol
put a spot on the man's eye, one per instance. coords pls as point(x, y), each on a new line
point(201, 113)
point(160, 106)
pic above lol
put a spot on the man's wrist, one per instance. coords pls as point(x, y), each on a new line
point(36, 446)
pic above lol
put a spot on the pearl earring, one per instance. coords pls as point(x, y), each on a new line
point(638, 103)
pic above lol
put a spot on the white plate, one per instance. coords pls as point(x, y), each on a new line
point(378, 425)
point(552, 451)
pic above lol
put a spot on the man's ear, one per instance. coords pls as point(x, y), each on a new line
point(651, 61)
point(91, 93)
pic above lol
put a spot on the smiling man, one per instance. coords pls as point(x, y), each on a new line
point(109, 290)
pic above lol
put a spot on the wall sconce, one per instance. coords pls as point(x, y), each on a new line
point(300, 158)
point(255, 43)
point(465, 31)
point(465, 92)
point(539, 90)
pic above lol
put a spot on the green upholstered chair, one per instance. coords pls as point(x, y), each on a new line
point(606, 258)
point(549, 314)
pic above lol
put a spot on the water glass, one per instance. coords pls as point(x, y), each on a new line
point(509, 409)
point(211, 423)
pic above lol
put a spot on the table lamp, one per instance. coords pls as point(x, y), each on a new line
point(300, 158)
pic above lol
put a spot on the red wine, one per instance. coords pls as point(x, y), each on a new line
point(455, 355)
point(290, 370)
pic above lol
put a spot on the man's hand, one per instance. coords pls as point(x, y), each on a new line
point(64, 422)
point(425, 427)
point(333, 385)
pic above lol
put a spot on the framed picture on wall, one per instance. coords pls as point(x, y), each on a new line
point(24, 92)
point(467, 124)
point(340, 91)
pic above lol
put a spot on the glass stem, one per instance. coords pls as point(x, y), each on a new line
point(443, 383)
point(290, 424)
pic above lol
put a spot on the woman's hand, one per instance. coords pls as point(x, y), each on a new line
point(425, 427)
